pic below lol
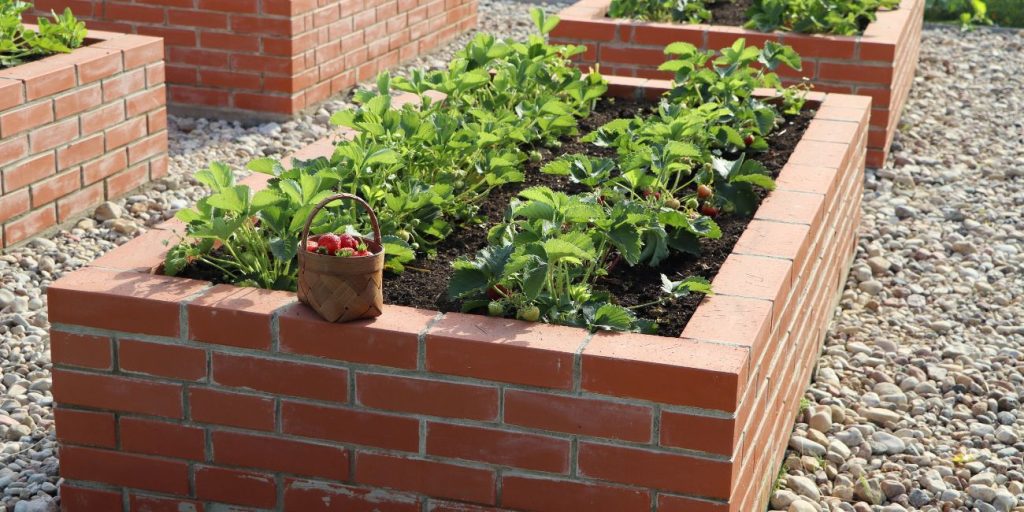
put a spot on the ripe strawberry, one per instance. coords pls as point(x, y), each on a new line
point(709, 209)
point(529, 313)
point(497, 292)
point(345, 252)
point(748, 140)
point(347, 240)
point(311, 246)
point(363, 253)
point(330, 242)
point(704, 191)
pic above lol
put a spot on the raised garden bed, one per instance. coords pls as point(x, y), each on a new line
point(272, 59)
point(879, 63)
point(175, 392)
point(80, 128)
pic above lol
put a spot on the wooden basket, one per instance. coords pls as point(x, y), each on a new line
point(342, 289)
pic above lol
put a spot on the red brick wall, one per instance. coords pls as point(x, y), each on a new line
point(201, 395)
point(880, 63)
point(273, 58)
point(78, 129)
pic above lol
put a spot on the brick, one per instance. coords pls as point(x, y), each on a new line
point(350, 426)
point(109, 164)
point(135, 471)
point(78, 202)
point(699, 433)
point(13, 148)
point(79, 151)
point(503, 350)
point(53, 135)
point(136, 13)
point(78, 100)
point(172, 36)
point(156, 74)
point(239, 317)
point(26, 118)
point(231, 6)
point(855, 73)
point(84, 350)
point(435, 479)
point(12, 93)
point(731, 320)
point(117, 393)
point(122, 85)
point(196, 96)
point(275, 454)
point(231, 409)
point(315, 496)
point(149, 100)
point(126, 132)
point(235, 487)
point(268, 103)
point(546, 495)
point(161, 360)
point(281, 377)
point(792, 207)
point(150, 146)
point(656, 470)
point(138, 50)
point(265, 64)
point(807, 178)
point(131, 179)
point(229, 79)
point(14, 204)
point(188, 18)
point(29, 171)
point(503, 448)
point(102, 118)
point(156, 120)
point(96, 64)
point(425, 396)
point(774, 239)
point(637, 366)
point(31, 224)
point(147, 304)
point(140, 503)
point(580, 416)
point(44, 77)
point(388, 340)
point(73, 497)
point(669, 503)
point(86, 428)
point(232, 42)
point(821, 46)
point(161, 438)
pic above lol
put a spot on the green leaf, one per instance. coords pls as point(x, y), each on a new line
point(692, 284)
point(611, 317)
point(234, 199)
point(466, 281)
point(760, 180)
point(264, 165)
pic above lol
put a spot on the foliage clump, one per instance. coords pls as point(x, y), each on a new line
point(19, 43)
point(840, 17)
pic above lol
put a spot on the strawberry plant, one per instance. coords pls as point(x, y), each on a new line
point(17, 43)
point(841, 17)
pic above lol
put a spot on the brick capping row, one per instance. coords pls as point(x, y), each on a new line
point(196, 394)
point(79, 128)
point(271, 59)
point(879, 63)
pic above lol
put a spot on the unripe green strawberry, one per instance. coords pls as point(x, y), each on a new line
point(529, 313)
point(495, 308)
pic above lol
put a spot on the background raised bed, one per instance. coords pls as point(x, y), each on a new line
point(879, 63)
point(197, 394)
point(273, 58)
point(79, 128)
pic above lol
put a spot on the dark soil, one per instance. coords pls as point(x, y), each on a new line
point(425, 282)
point(726, 12)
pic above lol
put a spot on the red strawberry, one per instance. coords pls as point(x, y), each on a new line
point(311, 246)
point(748, 140)
point(363, 253)
point(349, 241)
point(497, 292)
point(704, 191)
point(345, 252)
point(709, 209)
point(330, 242)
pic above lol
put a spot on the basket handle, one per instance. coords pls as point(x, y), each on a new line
point(316, 209)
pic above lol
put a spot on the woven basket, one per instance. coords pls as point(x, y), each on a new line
point(342, 289)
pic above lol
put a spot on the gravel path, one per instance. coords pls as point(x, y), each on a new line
point(916, 403)
point(931, 328)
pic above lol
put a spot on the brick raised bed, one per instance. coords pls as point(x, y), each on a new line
point(79, 128)
point(177, 393)
point(273, 58)
point(880, 63)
